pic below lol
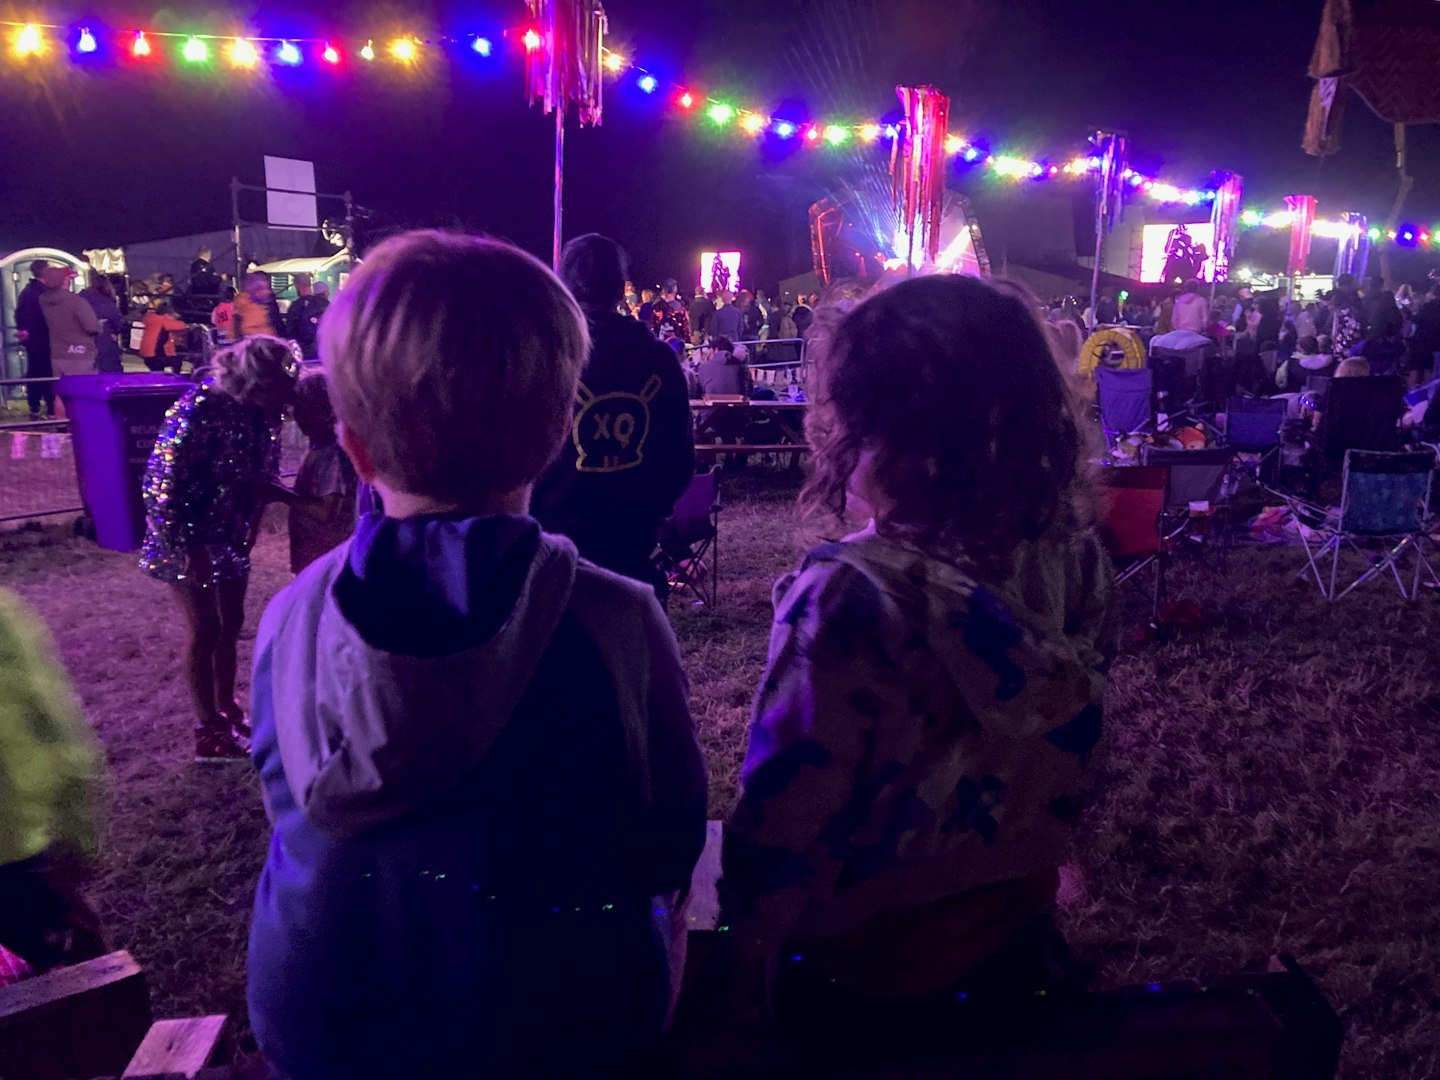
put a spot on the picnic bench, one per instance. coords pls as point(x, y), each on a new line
point(737, 425)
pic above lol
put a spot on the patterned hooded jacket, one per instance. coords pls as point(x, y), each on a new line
point(918, 734)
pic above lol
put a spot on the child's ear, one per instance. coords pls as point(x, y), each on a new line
point(358, 455)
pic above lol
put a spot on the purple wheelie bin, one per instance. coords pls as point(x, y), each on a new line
point(113, 421)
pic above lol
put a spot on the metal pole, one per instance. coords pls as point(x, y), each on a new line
point(235, 228)
point(349, 226)
point(559, 181)
point(1099, 254)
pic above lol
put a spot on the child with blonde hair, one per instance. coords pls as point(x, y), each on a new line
point(475, 749)
point(919, 740)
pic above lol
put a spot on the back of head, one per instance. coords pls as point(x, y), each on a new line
point(101, 284)
point(1308, 346)
point(1193, 286)
point(593, 268)
point(723, 345)
point(314, 414)
point(257, 282)
point(952, 385)
point(256, 369)
point(37, 267)
point(454, 359)
point(1353, 367)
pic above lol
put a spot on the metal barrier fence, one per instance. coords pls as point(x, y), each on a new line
point(37, 458)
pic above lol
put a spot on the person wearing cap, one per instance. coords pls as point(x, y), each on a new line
point(631, 453)
point(34, 335)
point(71, 321)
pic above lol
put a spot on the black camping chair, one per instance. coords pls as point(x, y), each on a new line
point(1252, 426)
point(1197, 498)
point(689, 550)
point(1361, 413)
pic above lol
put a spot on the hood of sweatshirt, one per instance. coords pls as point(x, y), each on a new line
point(417, 644)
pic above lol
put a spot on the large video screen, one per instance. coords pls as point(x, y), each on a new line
point(1155, 249)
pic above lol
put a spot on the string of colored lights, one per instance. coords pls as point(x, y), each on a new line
point(249, 51)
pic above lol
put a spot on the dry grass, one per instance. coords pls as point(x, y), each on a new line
point(1269, 784)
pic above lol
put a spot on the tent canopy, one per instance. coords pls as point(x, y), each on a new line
point(1388, 52)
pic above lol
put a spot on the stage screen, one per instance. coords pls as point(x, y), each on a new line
point(1153, 249)
point(730, 260)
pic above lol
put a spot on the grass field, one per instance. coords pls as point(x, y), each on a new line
point(1268, 784)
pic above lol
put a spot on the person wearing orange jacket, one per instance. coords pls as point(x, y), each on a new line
point(157, 340)
point(255, 309)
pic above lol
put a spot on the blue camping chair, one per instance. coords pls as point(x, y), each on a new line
point(1383, 513)
point(1252, 427)
point(1127, 402)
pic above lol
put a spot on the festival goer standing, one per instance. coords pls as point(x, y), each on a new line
point(72, 324)
point(34, 334)
point(727, 321)
point(256, 311)
point(1425, 341)
point(1347, 323)
point(322, 505)
point(631, 450)
point(100, 295)
point(753, 319)
point(206, 484)
point(886, 858)
point(475, 748)
point(802, 314)
point(1191, 311)
point(303, 318)
point(50, 772)
point(1382, 314)
point(204, 281)
point(668, 315)
point(702, 310)
point(224, 312)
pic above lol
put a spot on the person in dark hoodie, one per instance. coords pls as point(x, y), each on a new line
point(631, 451)
point(34, 333)
point(474, 747)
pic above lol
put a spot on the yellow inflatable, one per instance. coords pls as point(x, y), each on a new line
point(1100, 346)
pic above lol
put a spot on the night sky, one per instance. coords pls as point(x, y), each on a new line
point(103, 157)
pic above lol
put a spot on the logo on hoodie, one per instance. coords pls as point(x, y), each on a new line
point(610, 430)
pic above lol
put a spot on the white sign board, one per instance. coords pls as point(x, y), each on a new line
point(283, 208)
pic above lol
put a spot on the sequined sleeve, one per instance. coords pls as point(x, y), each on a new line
point(175, 488)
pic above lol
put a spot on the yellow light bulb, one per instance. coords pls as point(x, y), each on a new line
point(614, 62)
point(28, 40)
point(243, 54)
point(368, 52)
point(403, 49)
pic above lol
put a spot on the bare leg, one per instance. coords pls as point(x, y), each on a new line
point(231, 595)
point(202, 617)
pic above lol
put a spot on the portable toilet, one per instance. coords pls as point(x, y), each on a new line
point(14, 276)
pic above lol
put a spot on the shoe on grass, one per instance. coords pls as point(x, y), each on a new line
point(214, 745)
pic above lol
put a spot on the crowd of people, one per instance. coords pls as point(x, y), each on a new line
point(469, 713)
point(1394, 331)
point(67, 333)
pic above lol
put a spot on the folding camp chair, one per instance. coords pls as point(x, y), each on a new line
point(1384, 510)
point(1132, 500)
point(1252, 426)
point(1127, 402)
point(1177, 375)
point(1359, 414)
point(690, 537)
point(1197, 498)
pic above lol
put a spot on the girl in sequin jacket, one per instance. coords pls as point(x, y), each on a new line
point(205, 486)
